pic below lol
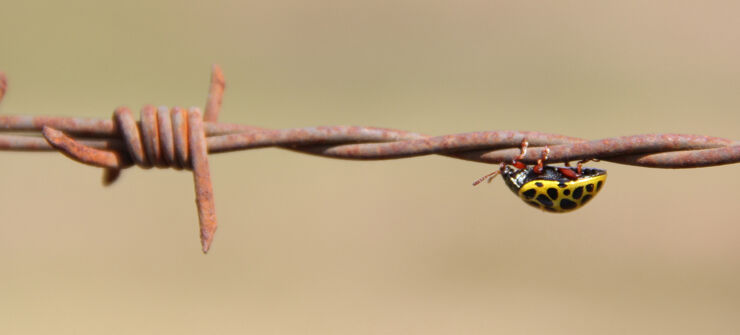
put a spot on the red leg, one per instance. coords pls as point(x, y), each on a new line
point(579, 170)
point(569, 173)
point(523, 148)
point(540, 162)
point(581, 162)
point(517, 160)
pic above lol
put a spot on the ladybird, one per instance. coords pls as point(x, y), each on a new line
point(556, 189)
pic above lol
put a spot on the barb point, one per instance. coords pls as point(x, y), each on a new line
point(3, 85)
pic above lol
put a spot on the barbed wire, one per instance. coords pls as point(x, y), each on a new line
point(182, 139)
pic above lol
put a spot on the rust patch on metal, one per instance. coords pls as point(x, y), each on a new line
point(82, 153)
point(202, 177)
point(215, 94)
point(3, 85)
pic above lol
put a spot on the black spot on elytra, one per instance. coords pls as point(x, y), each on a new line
point(553, 193)
point(598, 185)
point(550, 209)
point(566, 192)
point(561, 184)
point(567, 204)
point(529, 193)
point(539, 184)
point(543, 199)
point(534, 204)
point(590, 187)
point(578, 192)
point(586, 198)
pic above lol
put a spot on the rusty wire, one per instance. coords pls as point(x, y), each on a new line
point(181, 139)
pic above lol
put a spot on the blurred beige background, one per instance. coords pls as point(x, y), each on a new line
point(317, 246)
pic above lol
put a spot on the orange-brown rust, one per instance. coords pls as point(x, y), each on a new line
point(202, 177)
point(127, 126)
point(215, 94)
point(149, 128)
point(180, 137)
point(82, 153)
point(3, 85)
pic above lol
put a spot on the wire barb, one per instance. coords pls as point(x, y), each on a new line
point(3, 85)
point(181, 139)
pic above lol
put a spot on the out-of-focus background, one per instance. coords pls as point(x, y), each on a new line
point(308, 245)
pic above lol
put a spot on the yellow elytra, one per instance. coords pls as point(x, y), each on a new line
point(550, 190)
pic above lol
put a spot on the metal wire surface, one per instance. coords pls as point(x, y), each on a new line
point(180, 138)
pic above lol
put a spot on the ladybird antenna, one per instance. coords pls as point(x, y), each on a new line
point(489, 176)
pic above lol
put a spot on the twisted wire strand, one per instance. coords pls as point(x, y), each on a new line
point(369, 143)
point(181, 139)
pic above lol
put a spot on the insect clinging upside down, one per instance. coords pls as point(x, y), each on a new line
point(554, 189)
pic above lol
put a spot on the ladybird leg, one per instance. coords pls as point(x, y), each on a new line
point(540, 162)
point(523, 148)
point(490, 176)
point(569, 173)
point(517, 161)
point(581, 162)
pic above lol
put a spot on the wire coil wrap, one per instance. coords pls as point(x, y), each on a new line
point(163, 138)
